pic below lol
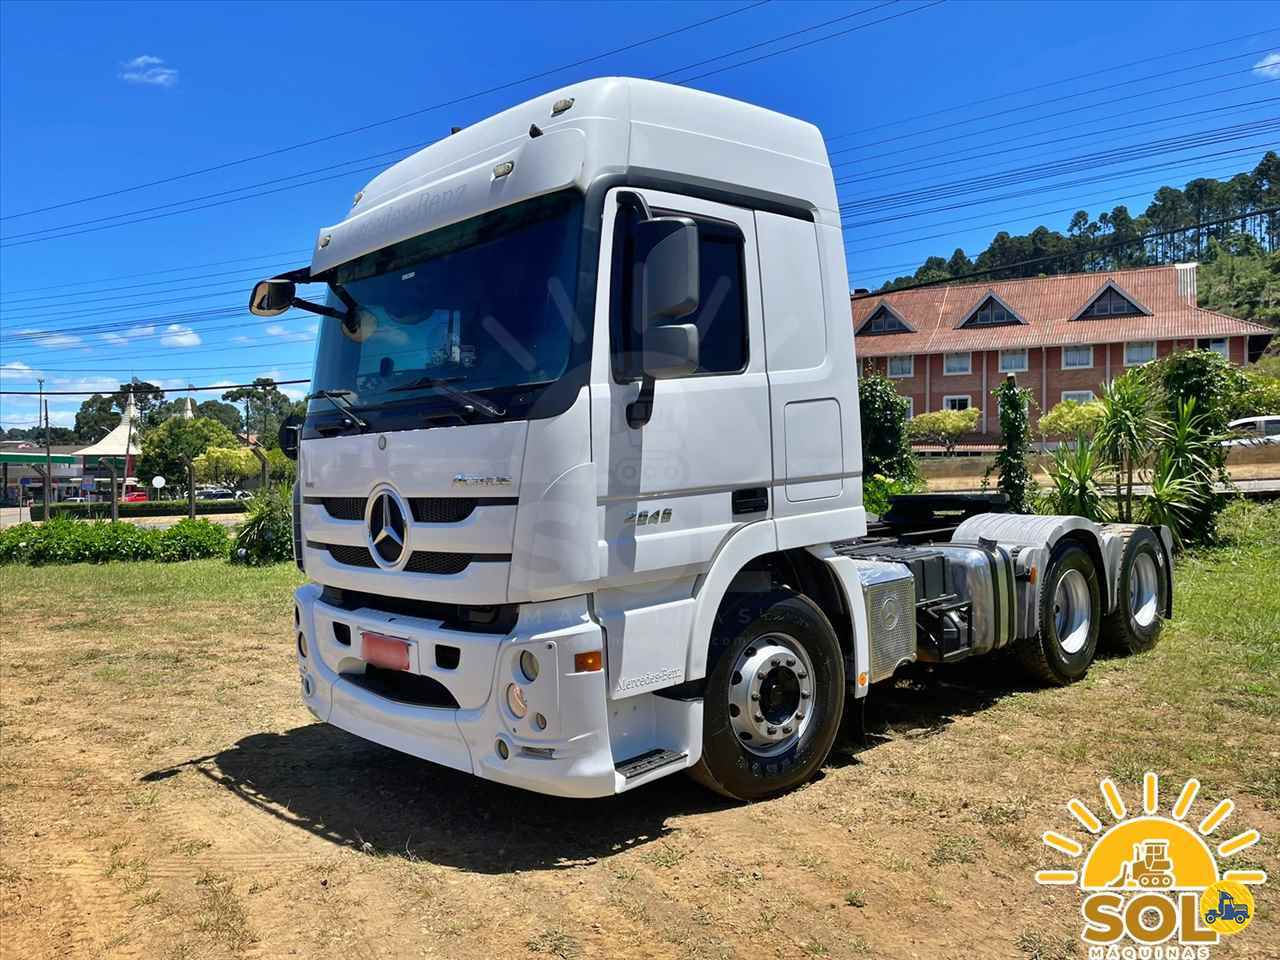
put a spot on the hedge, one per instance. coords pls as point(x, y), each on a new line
point(75, 541)
point(149, 508)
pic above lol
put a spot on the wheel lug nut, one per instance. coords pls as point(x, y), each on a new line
point(774, 662)
point(799, 716)
point(755, 696)
point(801, 674)
point(758, 718)
point(804, 694)
point(786, 729)
point(771, 731)
point(791, 661)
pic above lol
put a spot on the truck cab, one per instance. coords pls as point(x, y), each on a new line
point(579, 484)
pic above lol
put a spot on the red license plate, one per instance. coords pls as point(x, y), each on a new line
point(383, 651)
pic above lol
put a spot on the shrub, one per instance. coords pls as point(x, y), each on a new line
point(266, 536)
point(878, 490)
point(1069, 419)
point(147, 508)
point(886, 449)
point(194, 540)
point(1075, 489)
point(944, 427)
point(1126, 432)
point(63, 540)
point(1257, 394)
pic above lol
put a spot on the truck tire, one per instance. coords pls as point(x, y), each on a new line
point(774, 697)
point(1070, 618)
point(1142, 595)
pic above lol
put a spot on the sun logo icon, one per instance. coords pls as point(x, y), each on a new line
point(1156, 878)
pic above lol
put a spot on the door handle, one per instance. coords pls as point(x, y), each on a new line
point(751, 500)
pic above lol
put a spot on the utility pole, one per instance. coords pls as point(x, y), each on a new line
point(48, 452)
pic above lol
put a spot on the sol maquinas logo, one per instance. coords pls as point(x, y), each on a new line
point(1155, 887)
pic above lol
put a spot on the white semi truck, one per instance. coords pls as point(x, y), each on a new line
point(579, 488)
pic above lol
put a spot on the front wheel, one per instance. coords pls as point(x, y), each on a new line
point(774, 698)
point(1070, 614)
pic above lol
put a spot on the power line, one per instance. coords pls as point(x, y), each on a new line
point(1066, 254)
point(1054, 83)
point(506, 85)
point(129, 218)
point(89, 393)
point(1083, 93)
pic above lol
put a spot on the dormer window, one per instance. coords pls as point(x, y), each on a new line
point(885, 319)
point(991, 311)
point(1111, 301)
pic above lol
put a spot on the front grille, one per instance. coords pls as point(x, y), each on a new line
point(341, 508)
point(487, 618)
point(427, 561)
point(403, 687)
point(424, 509)
point(350, 556)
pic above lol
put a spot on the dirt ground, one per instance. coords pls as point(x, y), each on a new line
point(164, 794)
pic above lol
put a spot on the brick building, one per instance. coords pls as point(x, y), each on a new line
point(1062, 337)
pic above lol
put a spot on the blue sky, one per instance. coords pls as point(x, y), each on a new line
point(102, 96)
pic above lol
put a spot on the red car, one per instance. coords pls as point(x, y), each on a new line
point(135, 496)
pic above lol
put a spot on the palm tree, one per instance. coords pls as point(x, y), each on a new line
point(1127, 433)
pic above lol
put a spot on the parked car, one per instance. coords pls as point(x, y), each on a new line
point(215, 493)
point(134, 496)
point(1254, 431)
point(243, 495)
point(76, 500)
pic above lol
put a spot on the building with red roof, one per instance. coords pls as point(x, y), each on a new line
point(1063, 337)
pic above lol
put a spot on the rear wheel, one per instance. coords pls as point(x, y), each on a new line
point(1070, 615)
point(774, 698)
point(1142, 594)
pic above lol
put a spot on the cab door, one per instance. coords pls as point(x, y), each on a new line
point(673, 489)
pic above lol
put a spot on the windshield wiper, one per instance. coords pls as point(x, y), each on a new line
point(340, 402)
point(469, 401)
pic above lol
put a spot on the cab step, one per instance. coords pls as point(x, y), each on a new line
point(650, 760)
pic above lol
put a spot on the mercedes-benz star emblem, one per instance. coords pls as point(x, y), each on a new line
point(387, 527)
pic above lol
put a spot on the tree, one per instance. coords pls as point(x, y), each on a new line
point(226, 466)
point(96, 418)
point(944, 427)
point(265, 407)
point(1069, 419)
point(886, 451)
point(148, 398)
point(281, 468)
point(1126, 432)
point(167, 448)
point(1014, 402)
point(225, 413)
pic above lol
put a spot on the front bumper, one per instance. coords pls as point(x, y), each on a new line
point(571, 756)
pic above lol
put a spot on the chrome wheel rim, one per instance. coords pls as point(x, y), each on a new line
point(1144, 590)
point(1072, 611)
point(771, 695)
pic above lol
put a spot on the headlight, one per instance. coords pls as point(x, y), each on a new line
point(515, 700)
point(529, 666)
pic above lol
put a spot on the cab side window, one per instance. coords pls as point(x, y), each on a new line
point(721, 317)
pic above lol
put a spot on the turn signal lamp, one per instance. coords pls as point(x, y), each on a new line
point(588, 662)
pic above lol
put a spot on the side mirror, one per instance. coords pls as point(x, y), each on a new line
point(670, 351)
point(270, 298)
point(290, 432)
point(666, 256)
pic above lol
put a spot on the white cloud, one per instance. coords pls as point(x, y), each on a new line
point(293, 393)
point(42, 338)
point(119, 339)
point(149, 71)
point(176, 335)
point(304, 335)
point(17, 370)
point(1268, 67)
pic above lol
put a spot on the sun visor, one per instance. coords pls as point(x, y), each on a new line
point(530, 168)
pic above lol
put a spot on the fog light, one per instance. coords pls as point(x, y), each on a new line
point(529, 666)
point(515, 700)
point(502, 749)
point(302, 645)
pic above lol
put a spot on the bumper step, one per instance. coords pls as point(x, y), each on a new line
point(650, 760)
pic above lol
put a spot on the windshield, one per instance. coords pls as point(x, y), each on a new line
point(483, 304)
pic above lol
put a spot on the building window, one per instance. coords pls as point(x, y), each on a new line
point(959, 402)
point(1139, 352)
point(1077, 396)
point(1013, 361)
point(957, 363)
point(902, 366)
point(1077, 358)
point(884, 320)
point(1110, 303)
point(991, 313)
point(1218, 345)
